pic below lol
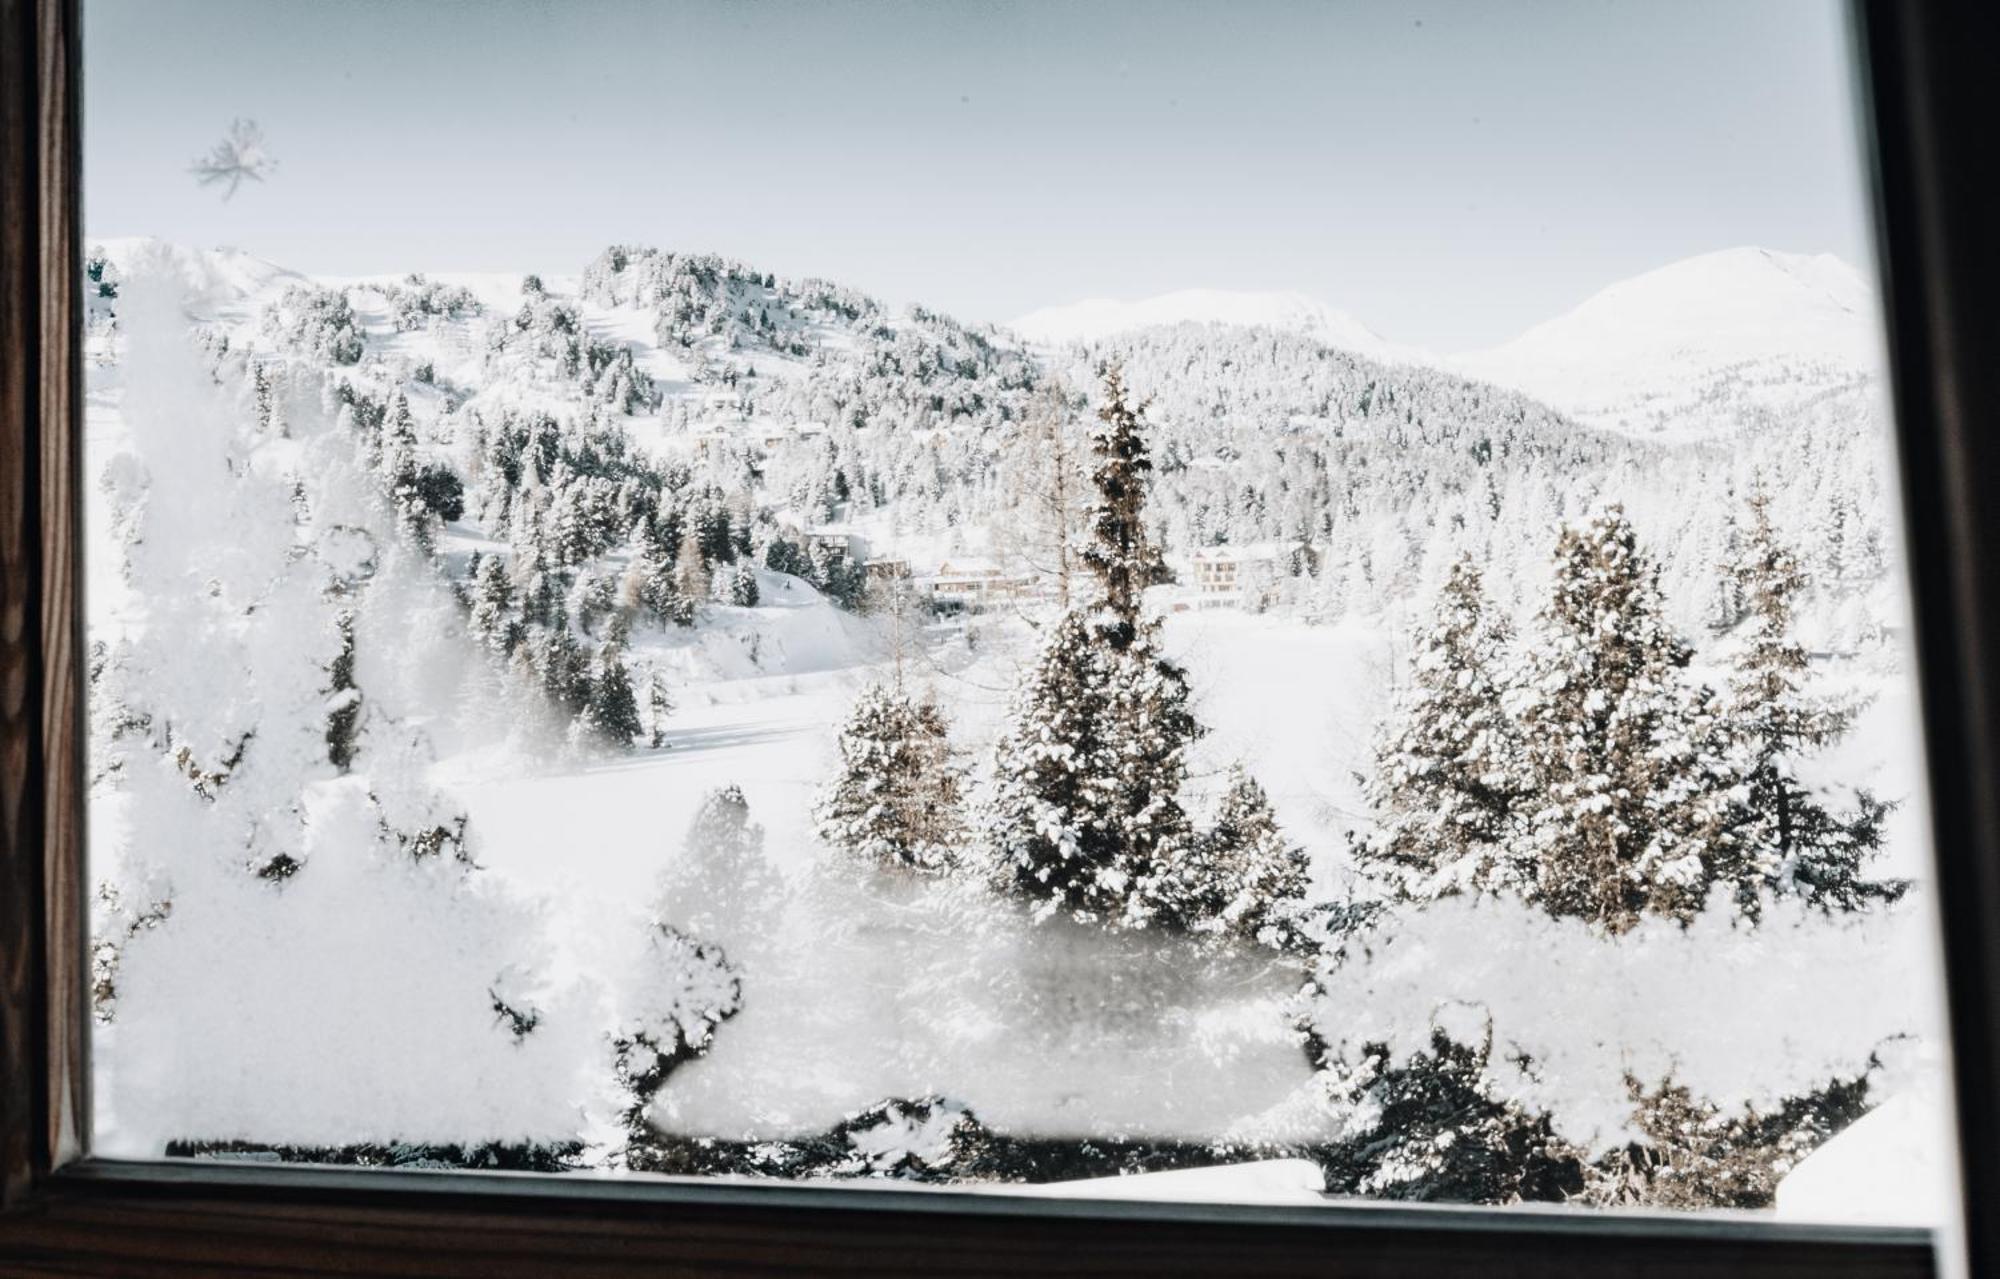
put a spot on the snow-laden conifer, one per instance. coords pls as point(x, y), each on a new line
point(896, 800)
point(1087, 814)
point(1449, 789)
point(1245, 880)
point(1791, 838)
point(1628, 811)
point(613, 709)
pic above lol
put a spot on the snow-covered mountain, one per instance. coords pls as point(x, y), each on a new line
point(1096, 318)
point(1698, 347)
point(1693, 349)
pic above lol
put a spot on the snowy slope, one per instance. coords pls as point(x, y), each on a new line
point(218, 283)
point(1692, 347)
point(1096, 318)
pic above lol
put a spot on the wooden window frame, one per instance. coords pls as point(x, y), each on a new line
point(1929, 96)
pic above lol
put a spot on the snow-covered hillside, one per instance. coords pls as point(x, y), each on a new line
point(1700, 347)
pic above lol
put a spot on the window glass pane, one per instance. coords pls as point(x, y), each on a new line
point(839, 592)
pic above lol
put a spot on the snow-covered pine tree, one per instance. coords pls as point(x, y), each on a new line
point(896, 800)
point(564, 667)
point(613, 710)
point(1120, 553)
point(721, 885)
point(1051, 825)
point(1250, 881)
point(1087, 814)
point(1629, 810)
point(343, 700)
point(1448, 790)
point(1726, 606)
point(651, 585)
point(492, 603)
point(594, 600)
point(659, 705)
point(1791, 839)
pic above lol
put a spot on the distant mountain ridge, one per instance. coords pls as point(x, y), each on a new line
point(1698, 346)
point(1097, 318)
point(1687, 349)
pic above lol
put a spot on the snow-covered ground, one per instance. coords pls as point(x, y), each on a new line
point(1892, 1167)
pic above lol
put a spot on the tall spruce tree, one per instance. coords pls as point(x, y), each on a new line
point(1087, 813)
point(1630, 811)
point(1791, 837)
point(896, 800)
point(1121, 555)
point(492, 602)
point(1449, 789)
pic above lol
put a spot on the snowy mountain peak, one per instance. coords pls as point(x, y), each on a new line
point(217, 272)
point(1096, 318)
point(1725, 332)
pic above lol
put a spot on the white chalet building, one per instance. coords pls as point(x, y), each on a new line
point(1228, 576)
point(974, 586)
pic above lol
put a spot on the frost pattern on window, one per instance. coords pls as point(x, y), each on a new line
point(239, 156)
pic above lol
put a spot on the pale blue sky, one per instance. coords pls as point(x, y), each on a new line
point(1450, 172)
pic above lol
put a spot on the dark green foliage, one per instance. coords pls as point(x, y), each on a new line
point(1441, 1138)
point(343, 715)
point(103, 276)
point(784, 556)
point(441, 492)
point(613, 710)
point(492, 1156)
point(564, 668)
